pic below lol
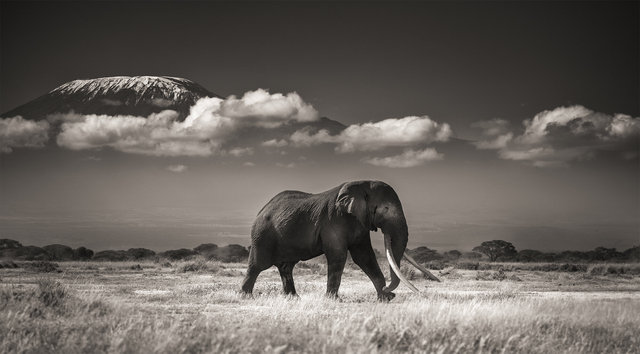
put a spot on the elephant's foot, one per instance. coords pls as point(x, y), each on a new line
point(333, 296)
point(292, 296)
point(245, 295)
point(386, 296)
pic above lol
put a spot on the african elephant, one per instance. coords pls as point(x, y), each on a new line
point(295, 226)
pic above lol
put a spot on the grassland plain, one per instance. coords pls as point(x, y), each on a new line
point(103, 307)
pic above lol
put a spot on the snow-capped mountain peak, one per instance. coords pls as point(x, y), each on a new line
point(116, 95)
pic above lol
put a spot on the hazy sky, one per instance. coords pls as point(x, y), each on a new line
point(514, 121)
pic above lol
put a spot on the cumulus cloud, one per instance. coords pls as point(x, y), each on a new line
point(212, 122)
point(17, 132)
point(564, 134)
point(267, 109)
point(498, 142)
point(177, 168)
point(408, 158)
point(392, 132)
point(238, 152)
point(275, 143)
point(496, 132)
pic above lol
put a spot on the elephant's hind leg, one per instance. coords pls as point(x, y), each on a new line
point(250, 279)
point(286, 273)
point(257, 263)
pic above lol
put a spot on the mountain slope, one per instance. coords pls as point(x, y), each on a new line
point(118, 95)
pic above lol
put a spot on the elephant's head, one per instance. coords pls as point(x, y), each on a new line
point(376, 205)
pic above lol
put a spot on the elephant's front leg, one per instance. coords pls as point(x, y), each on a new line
point(363, 255)
point(335, 266)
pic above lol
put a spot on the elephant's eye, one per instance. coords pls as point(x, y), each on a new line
point(386, 208)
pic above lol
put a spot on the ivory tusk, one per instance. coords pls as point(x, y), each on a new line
point(395, 268)
point(420, 267)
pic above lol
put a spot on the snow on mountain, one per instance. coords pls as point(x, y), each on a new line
point(118, 95)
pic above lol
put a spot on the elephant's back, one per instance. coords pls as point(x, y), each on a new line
point(283, 200)
point(290, 210)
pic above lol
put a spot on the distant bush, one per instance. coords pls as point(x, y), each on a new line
point(42, 267)
point(468, 265)
point(206, 249)
point(497, 250)
point(424, 254)
point(60, 252)
point(135, 254)
point(6, 243)
point(452, 255)
point(534, 256)
point(25, 253)
point(110, 256)
point(230, 253)
point(82, 253)
point(8, 265)
point(632, 254)
point(178, 254)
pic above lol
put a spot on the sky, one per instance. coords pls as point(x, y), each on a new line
point(492, 120)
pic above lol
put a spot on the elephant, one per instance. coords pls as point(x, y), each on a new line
point(296, 226)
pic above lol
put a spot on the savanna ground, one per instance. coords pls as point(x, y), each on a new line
point(95, 307)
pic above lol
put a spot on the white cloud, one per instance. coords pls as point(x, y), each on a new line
point(536, 128)
point(17, 132)
point(267, 109)
point(623, 126)
point(498, 142)
point(304, 138)
point(392, 132)
point(528, 154)
point(211, 123)
point(409, 158)
point(275, 143)
point(564, 134)
point(248, 164)
point(177, 168)
point(237, 152)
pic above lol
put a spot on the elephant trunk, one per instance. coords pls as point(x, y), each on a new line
point(395, 243)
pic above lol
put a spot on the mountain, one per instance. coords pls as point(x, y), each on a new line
point(117, 95)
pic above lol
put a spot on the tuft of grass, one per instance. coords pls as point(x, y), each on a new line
point(8, 264)
point(194, 267)
point(311, 267)
point(487, 275)
point(51, 292)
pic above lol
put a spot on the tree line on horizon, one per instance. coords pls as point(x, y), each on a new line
point(492, 251)
point(504, 251)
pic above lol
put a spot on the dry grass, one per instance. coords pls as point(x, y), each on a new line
point(194, 307)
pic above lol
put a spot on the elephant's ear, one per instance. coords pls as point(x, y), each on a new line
point(351, 199)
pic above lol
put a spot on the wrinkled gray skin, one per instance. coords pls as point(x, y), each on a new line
point(296, 226)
